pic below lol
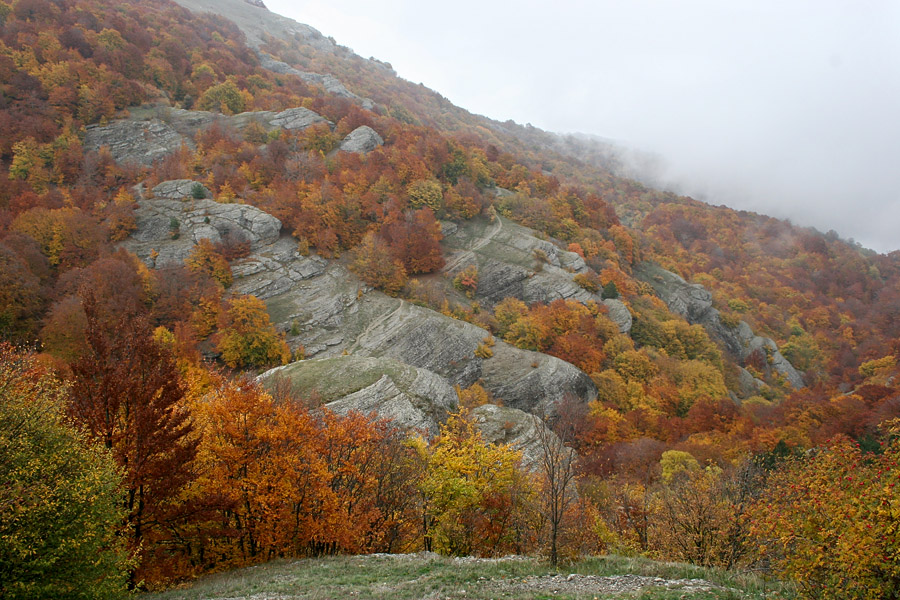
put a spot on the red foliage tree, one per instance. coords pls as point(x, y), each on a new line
point(126, 392)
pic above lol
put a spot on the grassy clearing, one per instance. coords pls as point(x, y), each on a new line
point(412, 577)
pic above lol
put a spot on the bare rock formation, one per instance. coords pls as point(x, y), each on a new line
point(694, 303)
point(411, 397)
point(361, 140)
point(138, 142)
point(171, 220)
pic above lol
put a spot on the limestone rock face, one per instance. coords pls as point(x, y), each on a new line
point(275, 269)
point(331, 312)
point(619, 314)
point(258, 24)
point(328, 311)
point(361, 140)
point(694, 303)
point(532, 381)
point(522, 431)
point(139, 142)
point(170, 221)
point(331, 83)
point(178, 189)
point(150, 136)
point(296, 118)
point(411, 397)
point(512, 262)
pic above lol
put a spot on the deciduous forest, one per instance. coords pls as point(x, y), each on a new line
point(139, 448)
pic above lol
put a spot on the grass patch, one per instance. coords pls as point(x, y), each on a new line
point(332, 378)
point(409, 577)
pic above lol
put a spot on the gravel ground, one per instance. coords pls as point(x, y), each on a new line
point(587, 584)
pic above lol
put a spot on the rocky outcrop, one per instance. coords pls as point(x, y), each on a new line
point(170, 221)
point(138, 142)
point(276, 269)
point(532, 381)
point(411, 397)
point(325, 309)
point(331, 83)
point(521, 430)
point(189, 122)
point(257, 24)
point(694, 303)
point(361, 140)
point(291, 119)
point(513, 262)
point(179, 189)
point(151, 134)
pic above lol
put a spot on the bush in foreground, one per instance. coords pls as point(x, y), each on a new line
point(59, 495)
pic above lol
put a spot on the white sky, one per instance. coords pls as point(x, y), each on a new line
point(787, 107)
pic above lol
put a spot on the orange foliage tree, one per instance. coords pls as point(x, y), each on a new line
point(829, 522)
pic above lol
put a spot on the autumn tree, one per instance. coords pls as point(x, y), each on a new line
point(60, 502)
point(294, 483)
point(415, 241)
point(20, 294)
point(206, 259)
point(224, 97)
point(260, 459)
point(247, 337)
point(829, 522)
point(425, 193)
point(477, 500)
point(126, 393)
point(375, 264)
point(557, 467)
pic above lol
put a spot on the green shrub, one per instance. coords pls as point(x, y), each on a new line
point(60, 501)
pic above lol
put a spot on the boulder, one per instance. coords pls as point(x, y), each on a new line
point(412, 398)
point(619, 314)
point(361, 140)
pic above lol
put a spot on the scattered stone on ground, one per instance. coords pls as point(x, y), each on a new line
point(614, 584)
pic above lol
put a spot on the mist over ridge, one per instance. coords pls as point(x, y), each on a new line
point(782, 109)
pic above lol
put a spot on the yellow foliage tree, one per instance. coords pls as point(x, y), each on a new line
point(426, 192)
point(477, 500)
point(247, 337)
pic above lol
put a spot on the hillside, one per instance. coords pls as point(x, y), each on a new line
point(311, 308)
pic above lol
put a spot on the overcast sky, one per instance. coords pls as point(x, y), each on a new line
point(786, 107)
